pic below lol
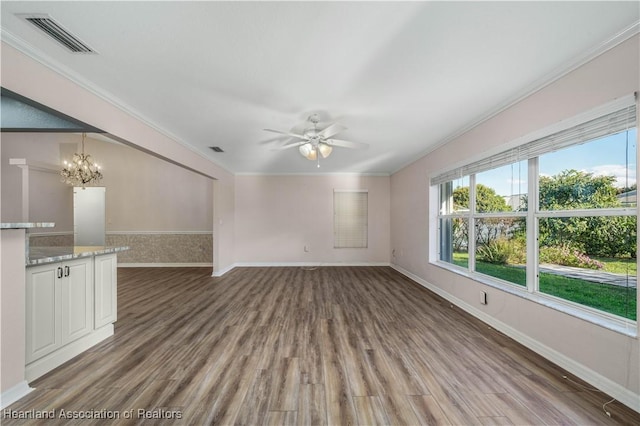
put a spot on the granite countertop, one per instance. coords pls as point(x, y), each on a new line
point(25, 225)
point(41, 255)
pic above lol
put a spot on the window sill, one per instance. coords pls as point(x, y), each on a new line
point(602, 319)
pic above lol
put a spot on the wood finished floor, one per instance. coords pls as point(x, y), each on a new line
point(335, 345)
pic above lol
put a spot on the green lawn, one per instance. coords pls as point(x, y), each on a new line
point(619, 266)
point(609, 298)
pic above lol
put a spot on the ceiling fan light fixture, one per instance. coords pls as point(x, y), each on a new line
point(309, 151)
point(313, 155)
point(325, 149)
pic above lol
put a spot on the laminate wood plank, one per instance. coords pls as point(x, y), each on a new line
point(281, 418)
point(311, 352)
point(350, 355)
point(496, 421)
point(286, 386)
point(312, 407)
point(370, 411)
point(256, 403)
point(326, 345)
point(340, 408)
point(427, 410)
point(514, 410)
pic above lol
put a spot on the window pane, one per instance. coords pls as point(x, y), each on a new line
point(454, 196)
point(591, 261)
point(597, 174)
point(454, 241)
point(501, 249)
point(503, 189)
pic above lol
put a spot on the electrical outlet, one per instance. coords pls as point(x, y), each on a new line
point(307, 249)
point(483, 297)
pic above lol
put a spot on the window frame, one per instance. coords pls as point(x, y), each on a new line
point(532, 215)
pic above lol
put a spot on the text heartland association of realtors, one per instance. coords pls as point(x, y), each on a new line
point(139, 413)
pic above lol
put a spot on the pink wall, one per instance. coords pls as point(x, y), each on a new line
point(31, 79)
point(277, 216)
point(600, 351)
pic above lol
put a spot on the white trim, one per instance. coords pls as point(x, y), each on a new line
point(48, 234)
point(14, 393)
point(296, 264)
point(533, 88)
point(58, 357)
point(34, 165)
point(314, 174)
point(165, 265)
point(159, 232)
point(620, 393)
point(351, 190)
point(51, 234)
point(292, 264)
point(221, 272)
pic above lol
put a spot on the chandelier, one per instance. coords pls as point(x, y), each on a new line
point(81, 170)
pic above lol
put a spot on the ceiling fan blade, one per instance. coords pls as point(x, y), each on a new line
point(287, 146)
point(293, 135)
point(347, 144)
point(333, 129)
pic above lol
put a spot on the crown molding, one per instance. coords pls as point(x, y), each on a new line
point(315, 174)
point(573, 64)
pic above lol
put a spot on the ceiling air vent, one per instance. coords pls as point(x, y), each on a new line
point(216, 148)
point(57, 32)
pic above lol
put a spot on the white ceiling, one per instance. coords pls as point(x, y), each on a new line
point(402, 76)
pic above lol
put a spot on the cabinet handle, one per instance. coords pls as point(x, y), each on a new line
point(59, 272)
point(67, 271)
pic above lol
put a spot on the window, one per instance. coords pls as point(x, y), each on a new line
point(350, 219)
point(556, 216)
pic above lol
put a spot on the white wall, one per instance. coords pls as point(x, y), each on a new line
point(602, 354)
point(277, 216)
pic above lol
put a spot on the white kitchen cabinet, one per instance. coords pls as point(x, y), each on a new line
point(106, 298)
point(59, 305)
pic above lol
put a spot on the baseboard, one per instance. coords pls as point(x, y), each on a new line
point(56, 358)
point(293, 264)
point(606, 385)
point(221, 272)
point(14, 393)
point(297, 264)
point(165, 265)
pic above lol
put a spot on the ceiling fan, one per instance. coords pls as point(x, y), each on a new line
point(313, 141)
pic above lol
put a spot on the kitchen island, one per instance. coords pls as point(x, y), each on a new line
point(71, 303)
point(56, 303)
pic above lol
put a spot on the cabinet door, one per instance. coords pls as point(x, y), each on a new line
point(44, 325)
point(77, 299)
point(106, 307)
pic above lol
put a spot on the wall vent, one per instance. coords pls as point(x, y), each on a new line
point(216, 148)
point(56, 31)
